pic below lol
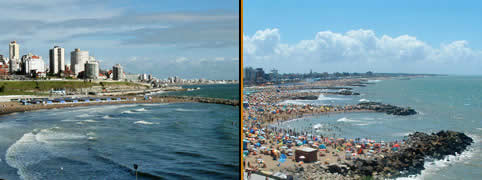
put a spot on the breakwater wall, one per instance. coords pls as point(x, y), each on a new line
point(407, 161)
point(387, 108)
point(231, 102)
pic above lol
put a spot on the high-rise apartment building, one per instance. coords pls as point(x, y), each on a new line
point(14, 55)
point(57, 60)
point(118, 73)
point(78, 59)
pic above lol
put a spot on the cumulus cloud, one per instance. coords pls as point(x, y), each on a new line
point(356, 50)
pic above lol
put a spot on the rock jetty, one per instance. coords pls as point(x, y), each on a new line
point(307, 97)
point(407, 161)
point(231, 102)
point(344, 92)
point(387, 108)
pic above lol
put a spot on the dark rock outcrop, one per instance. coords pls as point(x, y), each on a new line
point(344, 92)
point(205, 100)
point(387, 108)
point(359, 85)
point(410, 159)
point(309, 97)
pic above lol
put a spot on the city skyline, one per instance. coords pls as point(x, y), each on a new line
point(163, 38)
point(407, 37)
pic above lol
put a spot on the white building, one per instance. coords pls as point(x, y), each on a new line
point(33, 65)
point(57, 60)
point(91, 69)
point(78, 59)
point(14, 55)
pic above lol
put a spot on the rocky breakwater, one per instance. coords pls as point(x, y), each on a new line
point(387, 108)
point(231, 102)
point(344, 92)
point(409, 160)
point(306, 97)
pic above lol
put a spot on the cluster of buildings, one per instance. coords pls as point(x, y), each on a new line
point(81, 66)
point(257, 76)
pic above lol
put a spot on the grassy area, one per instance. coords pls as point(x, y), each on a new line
point(42, 85)
point(6, 93)
point(33, 87)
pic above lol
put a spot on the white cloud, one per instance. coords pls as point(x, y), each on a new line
point(360, 49)
point(181, 59)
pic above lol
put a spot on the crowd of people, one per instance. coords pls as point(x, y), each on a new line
point(269, 146)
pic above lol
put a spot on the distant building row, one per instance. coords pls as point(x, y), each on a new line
point(82, 65)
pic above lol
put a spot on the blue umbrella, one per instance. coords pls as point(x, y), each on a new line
point(322, 146)
point(282, 158)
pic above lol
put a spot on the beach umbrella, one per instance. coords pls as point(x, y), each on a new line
point(323, 146)
point(282, 158)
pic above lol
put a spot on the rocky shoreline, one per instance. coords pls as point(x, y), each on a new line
point(408, 161)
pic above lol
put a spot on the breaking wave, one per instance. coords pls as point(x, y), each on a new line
point(35, 147)
point(144, 122)
point(344, 119)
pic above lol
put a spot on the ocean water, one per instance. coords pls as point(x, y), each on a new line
point(443, 103)
point(225, 91)
point(167, 141)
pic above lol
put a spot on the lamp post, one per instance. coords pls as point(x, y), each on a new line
point(135, 167)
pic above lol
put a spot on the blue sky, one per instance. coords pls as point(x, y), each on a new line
point(436, 24)
point(190, 39)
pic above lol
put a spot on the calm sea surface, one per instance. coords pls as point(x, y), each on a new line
point(225, 91)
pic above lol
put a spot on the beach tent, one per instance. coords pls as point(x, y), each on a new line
point(306, 155)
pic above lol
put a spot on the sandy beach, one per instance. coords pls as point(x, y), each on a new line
point(268, 149)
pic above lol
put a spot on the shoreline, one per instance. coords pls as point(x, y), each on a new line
point(7, 108)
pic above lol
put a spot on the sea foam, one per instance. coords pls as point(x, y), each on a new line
point(144, 122)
